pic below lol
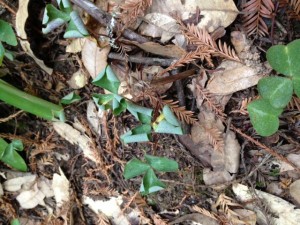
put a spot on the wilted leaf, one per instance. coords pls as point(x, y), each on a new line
point(140, 133)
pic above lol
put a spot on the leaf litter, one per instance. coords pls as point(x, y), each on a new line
point(215, 157)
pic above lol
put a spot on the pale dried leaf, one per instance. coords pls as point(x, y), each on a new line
point(1, 190)
point(30, 199)
point(75, 137)
point(78, 80)
point(45, 187)
point(231, 77)
point(76, 45)
point(110, 208)
point(60, 186)
point(21, 18)
point(94, 58)
point(293, 158)
point(247, 216)
point(218, 13)
point(295, 191)
point(94, 117)
point(19, 183)
point(281, 211)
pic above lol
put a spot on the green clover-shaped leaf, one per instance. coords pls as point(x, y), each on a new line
point(70, 98)
point(296, 84)
point(151, 183)
point(162, 164)
point(110, 101)
point(141, 113)
point(264, 117)
point(135, 167)
point(140, 133)
point(76, 28)
point(107, 80)
point(285, 58)
point(278, 90)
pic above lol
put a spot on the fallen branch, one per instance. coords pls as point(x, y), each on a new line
point(105, 18)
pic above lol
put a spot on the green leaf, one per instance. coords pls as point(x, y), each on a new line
point(170, 117)
point(285, 59)
point(54, 18)
point(64, 5)
point(151, 183)
point(17, 145)
point(7, 34)
point(278, 90)
point(8, 54)
point(110, 101)
point(108, 80)
point(141, 113)
point(12, 158)
point(3, 146)
point(76, 28)
point(162, 164)
point(138, 134)
point(264, 117)
point(296, 84)
point(15, 222)
point(165, 127)
point(70, 98)
point(2, 53)
point(135, 167)
point(30, 103)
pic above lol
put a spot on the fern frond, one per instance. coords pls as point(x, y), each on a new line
point(200, 37)
point(292, 8)
point(215, 138)
point(211, 102)
point(132, 9)
point(254, 12)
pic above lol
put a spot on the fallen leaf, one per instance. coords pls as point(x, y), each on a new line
point(21, 18)
point(247, 216)
point(60, 186)
point(172, 51)
point(78, 80)
point(30, 199)
point(16, 184)
point(295, 191)
point(76, 45)
point(293, 158)
point(75, 137)
point(231, 76)
point(280, 211)
point(94, 58)
point(94, 117)
point(217, 13)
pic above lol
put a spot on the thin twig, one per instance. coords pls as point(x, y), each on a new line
point(5, 5)
point(264, 147)
point(105, 18)
point(142, 60)
point(3, 120)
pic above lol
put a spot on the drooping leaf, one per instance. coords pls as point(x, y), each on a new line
point(162, 164)
point(135, 167)
point(296, 84)
point(76, 28)
point(285, 58)
point(70, 98)
point(53, 18)
point(110, 101)
point(264, 117)
point(165, 127)
point(107, 80)
point(140, 133)
point(278, 90)
point(17, 145)
point(141, 113)
point(7, 34)
point(151, 183)
point(170, 117)
point(12, 158)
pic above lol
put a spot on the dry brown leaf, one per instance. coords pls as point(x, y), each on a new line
point(94, 117)
point(280, 211)
point(172, 51)
point(217, 13)
point(21, 18)
point(295, 191)
point(94, 58)
point(78, 80)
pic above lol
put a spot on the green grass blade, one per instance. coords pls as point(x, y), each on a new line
point(30, 103)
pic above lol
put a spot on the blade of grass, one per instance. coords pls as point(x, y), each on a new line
point(29, 103)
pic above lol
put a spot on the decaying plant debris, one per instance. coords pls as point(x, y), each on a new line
point(201, 58)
